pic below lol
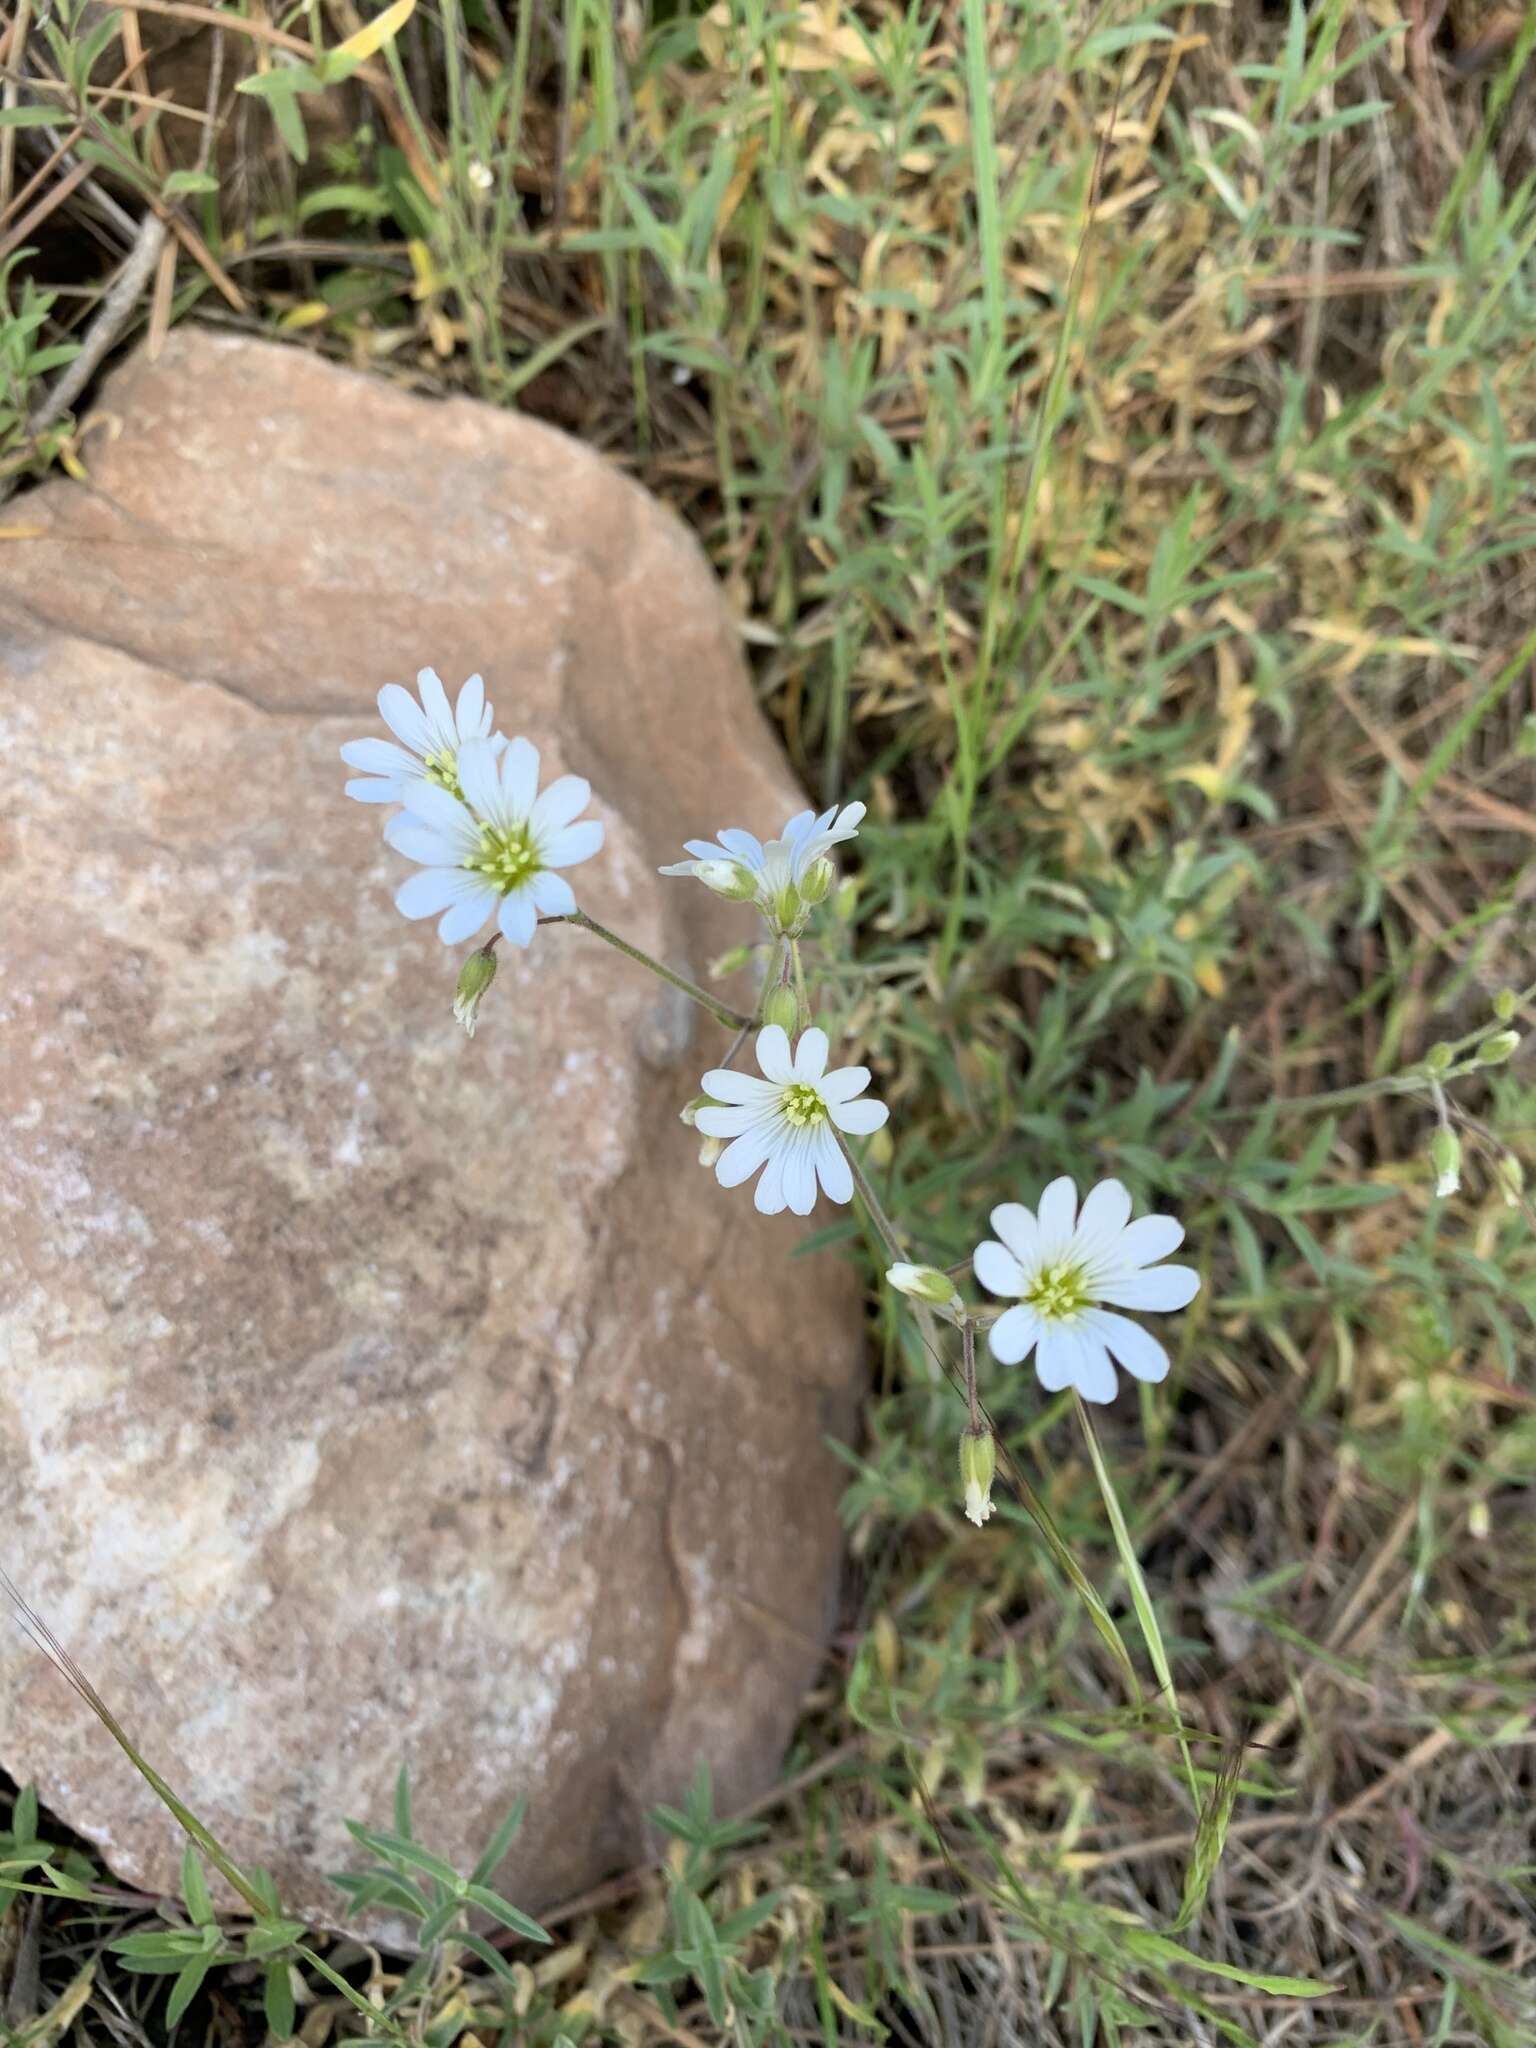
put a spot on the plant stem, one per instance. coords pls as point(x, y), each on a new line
point(968, 1356)
point(871, 1201)
point(733, 1020)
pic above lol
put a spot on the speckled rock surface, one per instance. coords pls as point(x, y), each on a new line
point(368, 1395)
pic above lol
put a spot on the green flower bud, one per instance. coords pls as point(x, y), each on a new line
point(781, 1006)
point(1494, 1051)
point(816, 882)
point(978, 1464)
point(787, 908)
point(1445, 1158)
point(1511, 1179)
point(924, 1283)
point(1439, 1057)
point(1504, 1005)
point(475, 977)
point(846, 902)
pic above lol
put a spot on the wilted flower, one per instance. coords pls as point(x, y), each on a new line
point(787, 1122)
point(493, 853)
point(431, 734)
point(1062, 1266)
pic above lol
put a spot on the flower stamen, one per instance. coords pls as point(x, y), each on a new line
point(1059, 1292)
point(507, 856)
point(802, 1106)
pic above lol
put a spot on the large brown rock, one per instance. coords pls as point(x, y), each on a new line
point(369, 1395)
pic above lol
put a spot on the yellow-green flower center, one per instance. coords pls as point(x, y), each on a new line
point(1058, 1292)
point(443, 769)
point(507, 857)
point(802, 1105)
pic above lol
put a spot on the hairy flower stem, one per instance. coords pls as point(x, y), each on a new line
point(883, 1224)
point(733, 1020)
point(968, 1358)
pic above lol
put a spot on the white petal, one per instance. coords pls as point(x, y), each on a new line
point(768, 1195)
point(997, 1269)
point(419, 842)
point(796, 827)
point(481, 782)
point(574, 843)
point(680, 867)
point(1055, 1357)
point(1148, 1238)
point(376, 789)
point(434, 702)
point(1017, 1228)
point(1105, 1212)
point(1154, 1287)
point(405, 718)
point(1056, 1216)
point(701, 849)
point(832, 1168)
point(811, 1054)
point(464, 918)
point(519, 780)
point(380, 757)
point(425, 894)
point(564, 799)
point(432, 804)
point(726, 1085)
point(724, 1119)
point(800, 1177)
point(858, 1119)
point(1013, 1335)
point(472, 715)
point(772, 1051)
point(1137, 1349)
point(552, 895)
point(517, 917)
point(843, 1083)
point(1093, 1375)
point(738, 1162)
point(746, 849)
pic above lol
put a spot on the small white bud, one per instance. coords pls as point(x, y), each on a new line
point(727, 878)
point(1445, 1158)
point(924, 1283)
point(480, 175)
point(710, 1150)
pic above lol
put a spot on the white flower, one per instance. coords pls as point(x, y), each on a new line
point(773, 869)
point(1062, 1266)
point(787, 1123)
point(431, 731)
point(493, 853)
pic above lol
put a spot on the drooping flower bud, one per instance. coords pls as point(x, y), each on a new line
point(475, 977)
point(924, 1283)
point(710, 1150)
point(1445, 1158)
point(978, 1465)
point(1493, 1052)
